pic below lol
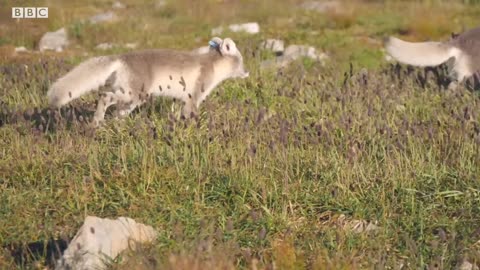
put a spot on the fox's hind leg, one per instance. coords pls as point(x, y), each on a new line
point(118, 96)
point(107, 100)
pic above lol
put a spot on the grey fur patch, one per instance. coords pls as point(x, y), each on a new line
point(111, 79)
point(182, 82)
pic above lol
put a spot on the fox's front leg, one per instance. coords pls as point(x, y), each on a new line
point(189, 109)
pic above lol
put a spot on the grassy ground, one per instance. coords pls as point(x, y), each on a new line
point(277, 169)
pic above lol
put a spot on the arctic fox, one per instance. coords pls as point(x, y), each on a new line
point(464, 48)
point(133, 78)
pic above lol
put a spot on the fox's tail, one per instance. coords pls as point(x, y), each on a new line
point(84, 78)
point(421, 54)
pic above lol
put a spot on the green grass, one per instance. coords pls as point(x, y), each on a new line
point(264, 174)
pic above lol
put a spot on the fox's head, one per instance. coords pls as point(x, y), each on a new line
point(228, 49)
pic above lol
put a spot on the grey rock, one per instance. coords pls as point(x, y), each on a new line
point(292, 53)
point(105, 46)
point(108, 46)
point(322, 6)
point(118, 5)
point(217, 31)
point(160, 4)
point(250, 28)
point(275, 45)
point(56, 41)
point(297, 51)
point(21, 49)
point(103, 17)
point(131, 45)
point(466, 265)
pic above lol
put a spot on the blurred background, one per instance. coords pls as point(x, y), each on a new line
point(349, 31)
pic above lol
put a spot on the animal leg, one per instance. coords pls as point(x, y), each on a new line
point(126, 109)
point(189, 109)
point(107, 100)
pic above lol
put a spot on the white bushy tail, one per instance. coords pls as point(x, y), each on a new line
point(84, 78)
point(421, 54)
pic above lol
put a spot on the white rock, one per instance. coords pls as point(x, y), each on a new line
point(105, 46)
point(131, 45)
point(101, 240)
point(466, 265)
point(108, 46)
point(217, 31)
point(103, 17)
point(160, 4)
point(56, 41)
point(297, 51)
point(21, 49)
point(323, 6)
point(251, 28)
point(292, 53)
point(118, 5)
point(275, 45)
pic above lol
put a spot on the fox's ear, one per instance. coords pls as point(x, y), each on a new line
point(217, 40)
point(215, 43)
point(228, 47)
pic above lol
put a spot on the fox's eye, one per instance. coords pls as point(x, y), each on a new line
point(228, 47)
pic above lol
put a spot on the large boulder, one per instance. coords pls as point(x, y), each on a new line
point(101, 240)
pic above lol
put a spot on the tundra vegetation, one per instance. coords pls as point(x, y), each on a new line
point(353, 163)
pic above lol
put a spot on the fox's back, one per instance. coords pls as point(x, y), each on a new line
point(167, 72)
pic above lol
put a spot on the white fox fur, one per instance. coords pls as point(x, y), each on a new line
point(135, 77)
point(87, 76)
point(422, 54)
point(464, 48)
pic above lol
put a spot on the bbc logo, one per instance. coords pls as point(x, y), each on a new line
point(29, 12)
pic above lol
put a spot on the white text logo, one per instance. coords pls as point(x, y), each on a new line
point(29, 12)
